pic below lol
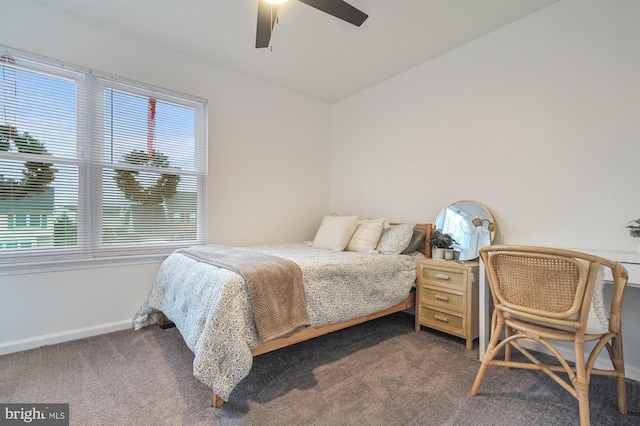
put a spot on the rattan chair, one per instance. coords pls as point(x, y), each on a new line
point(545, 294)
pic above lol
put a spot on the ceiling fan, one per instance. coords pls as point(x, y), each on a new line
point(268, 12)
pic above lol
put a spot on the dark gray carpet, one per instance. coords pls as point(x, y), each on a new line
point(378, 373)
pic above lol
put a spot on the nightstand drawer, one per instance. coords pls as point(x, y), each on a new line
point(442, 298)
point(442, 320)
point(444, 277)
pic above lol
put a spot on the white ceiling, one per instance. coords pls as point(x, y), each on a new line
point(312, 53)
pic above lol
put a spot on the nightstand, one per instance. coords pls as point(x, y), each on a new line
point(447, 297)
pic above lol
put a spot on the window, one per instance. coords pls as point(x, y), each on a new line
point(93, 165)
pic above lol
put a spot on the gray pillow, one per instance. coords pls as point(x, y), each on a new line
point(417, 240)
point(395, 238)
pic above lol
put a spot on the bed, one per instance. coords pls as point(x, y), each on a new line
point(215, 310)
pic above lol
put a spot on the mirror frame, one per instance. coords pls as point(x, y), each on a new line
point(483, 218)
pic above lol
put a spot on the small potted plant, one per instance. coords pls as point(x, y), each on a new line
point(634, 229)
point(440, 242)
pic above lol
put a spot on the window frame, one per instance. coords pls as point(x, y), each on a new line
point(92, 166)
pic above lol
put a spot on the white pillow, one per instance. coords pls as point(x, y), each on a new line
point(367, 235)
point(395, 239)
point(335, 232)
point(597, 321)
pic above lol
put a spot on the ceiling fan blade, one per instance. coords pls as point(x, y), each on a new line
point(339, 9)
point(266, 19)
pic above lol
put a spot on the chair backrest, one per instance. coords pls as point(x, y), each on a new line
point(550, 286)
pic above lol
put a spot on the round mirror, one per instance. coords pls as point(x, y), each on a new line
point(470, 224)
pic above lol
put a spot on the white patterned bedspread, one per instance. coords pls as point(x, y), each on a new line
point(212, 309)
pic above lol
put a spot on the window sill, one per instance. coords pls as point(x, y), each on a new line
point(77, 264)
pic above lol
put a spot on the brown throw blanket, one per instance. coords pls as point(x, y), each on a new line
point(275, 286)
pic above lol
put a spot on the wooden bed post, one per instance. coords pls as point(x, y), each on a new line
point(427, 245)
point(217, 402)
point(428, 229)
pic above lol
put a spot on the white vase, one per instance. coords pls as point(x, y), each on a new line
point(437, 253)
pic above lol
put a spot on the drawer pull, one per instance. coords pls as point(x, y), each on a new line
point(441, 298)
point(442, 277)
point(441, 318)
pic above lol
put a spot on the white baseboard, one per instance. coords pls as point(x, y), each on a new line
point(64, 336)
point(631, 372)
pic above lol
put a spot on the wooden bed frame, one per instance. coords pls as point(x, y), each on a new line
point(312, 332)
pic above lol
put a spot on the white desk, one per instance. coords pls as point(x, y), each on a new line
point(630, 260)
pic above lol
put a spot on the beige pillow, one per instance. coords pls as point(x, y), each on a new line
point(335, 232)
point(367, 235)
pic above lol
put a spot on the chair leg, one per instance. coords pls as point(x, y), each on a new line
point(617, 359)
point(480, 376)
point(583, 403)
point(581, 383)
point(508, 332)
point(622, 394)
point(489, 354)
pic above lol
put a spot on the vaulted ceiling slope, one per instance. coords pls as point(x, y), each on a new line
point(311, 52)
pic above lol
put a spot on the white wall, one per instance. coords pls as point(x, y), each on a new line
point(538, 120)
point(269, 177)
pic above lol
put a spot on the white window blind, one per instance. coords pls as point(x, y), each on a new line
point(94, 165)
